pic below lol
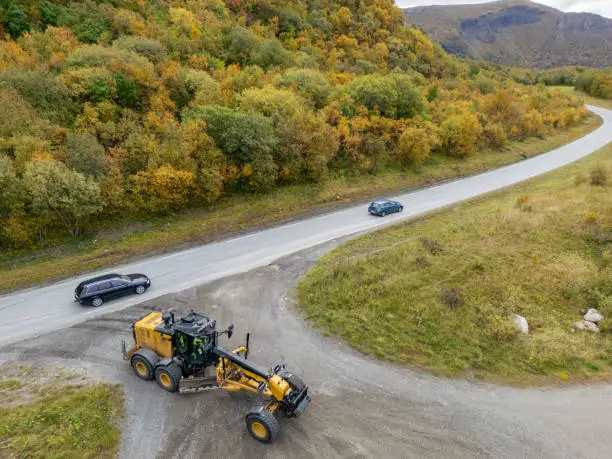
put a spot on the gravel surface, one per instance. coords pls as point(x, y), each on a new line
point(361, 408)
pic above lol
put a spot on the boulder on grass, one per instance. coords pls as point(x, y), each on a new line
point(521, 324)
point(586, 325)
point(593, 315)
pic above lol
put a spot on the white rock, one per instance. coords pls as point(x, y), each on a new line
point(521, 324)
point(593, 315)
point(586, 325)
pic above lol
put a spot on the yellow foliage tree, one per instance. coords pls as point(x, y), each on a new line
point(12, 55)
point(342, 19)
point(186, 22)
point(416, 143)
point(459, 134)
point(161, 190)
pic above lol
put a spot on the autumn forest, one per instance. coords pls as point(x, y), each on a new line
point(114, 110)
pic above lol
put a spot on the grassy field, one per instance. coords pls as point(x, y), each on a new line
point(44, 416)
point(438, 294)
point(594, 101)
point(115, 245)
point(587, 99)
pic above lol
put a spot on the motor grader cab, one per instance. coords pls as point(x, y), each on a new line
point(178, 352)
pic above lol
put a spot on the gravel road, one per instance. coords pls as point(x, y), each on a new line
point(361, 408)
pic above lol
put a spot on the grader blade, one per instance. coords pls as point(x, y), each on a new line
point(198, 384)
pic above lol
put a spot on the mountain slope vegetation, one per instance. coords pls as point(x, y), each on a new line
point(120, 110)
point(518, 33)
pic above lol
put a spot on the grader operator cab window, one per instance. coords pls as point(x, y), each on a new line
point(194, 349)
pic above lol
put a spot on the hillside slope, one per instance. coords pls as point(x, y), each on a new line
point(128, 110)
point(518, 33)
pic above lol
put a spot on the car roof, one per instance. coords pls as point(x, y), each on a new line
point(382, 201)
point(93, 280)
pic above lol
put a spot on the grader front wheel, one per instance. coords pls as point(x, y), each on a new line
point(262, 425)
point(142, 367)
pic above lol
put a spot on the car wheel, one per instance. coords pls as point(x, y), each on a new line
point(140, 289)
point(400, 209)
point(97, 302)
point(383, 213)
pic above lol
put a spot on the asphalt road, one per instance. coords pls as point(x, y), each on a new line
point(39, 310)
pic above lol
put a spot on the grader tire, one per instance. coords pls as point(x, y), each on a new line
point(142, 367)
point(262, 425)
point(168, 377)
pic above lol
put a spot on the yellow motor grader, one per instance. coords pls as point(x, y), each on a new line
point(176, 352)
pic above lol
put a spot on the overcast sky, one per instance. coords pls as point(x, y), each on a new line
point(603, 7)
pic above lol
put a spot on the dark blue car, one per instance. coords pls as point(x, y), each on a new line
point(383, 207)
point(99, 289)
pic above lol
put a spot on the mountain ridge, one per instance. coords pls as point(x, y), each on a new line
point(517, 33)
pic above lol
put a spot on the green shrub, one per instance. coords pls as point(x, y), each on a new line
point(421, 261)
point(393, 96)
point(496, 135)
point(146, 47)
point(44, 91)
point(85, 154)
point(127, 93)
point(248, 140)
point(522, 202)
point(451, 297)
point(605, 325)
point(499, 328)
point(270, 54)
point(309, 82)
point(433, 247)
point(599, 175)
point(49, 13)
point(16, 21)
point(86, 19)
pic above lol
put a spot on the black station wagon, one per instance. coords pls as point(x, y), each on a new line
point(385, 207)
point(97, 290)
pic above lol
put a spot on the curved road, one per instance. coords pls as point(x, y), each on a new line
point(51, 307)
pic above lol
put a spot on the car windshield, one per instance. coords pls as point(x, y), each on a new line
point(125, 278)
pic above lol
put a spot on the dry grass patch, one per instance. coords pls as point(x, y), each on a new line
point(444, 300)
point(57, 414)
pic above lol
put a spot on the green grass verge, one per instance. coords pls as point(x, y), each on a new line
point(438, 294)
point(116, 245)
point(595, 101)
point(587, 99)
point(43, 415)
